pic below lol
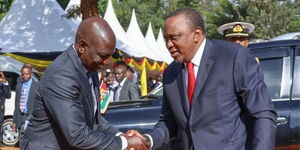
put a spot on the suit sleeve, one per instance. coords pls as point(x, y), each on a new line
point(254, 96)
point(166, 128)
point(16, 101)
point(6, 90)
point(62, 96)
point(134, 91)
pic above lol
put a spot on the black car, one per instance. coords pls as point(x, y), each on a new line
point(280, 62)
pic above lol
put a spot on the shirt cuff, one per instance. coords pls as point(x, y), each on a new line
point(150, 139)
point(5, 83)
point(118, 134)
point(124, 142)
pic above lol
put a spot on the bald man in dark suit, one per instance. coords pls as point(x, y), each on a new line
point(66, 115)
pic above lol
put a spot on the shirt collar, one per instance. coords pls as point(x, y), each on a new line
point(197, 57)
point(84, 69)
point(27, 82)
point(123, 81)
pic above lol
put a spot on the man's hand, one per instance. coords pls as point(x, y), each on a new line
point(137, 143)
point(14, 127)
point(131, 133)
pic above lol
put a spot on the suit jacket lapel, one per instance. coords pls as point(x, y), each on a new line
point(181, 87)
point(18, 94)
point(88, 100)
point(97, 93)
point(204, 69)
point(123, 95)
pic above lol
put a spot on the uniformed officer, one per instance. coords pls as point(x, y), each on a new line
point(237, 32)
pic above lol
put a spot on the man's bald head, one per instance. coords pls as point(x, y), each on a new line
point(94, 27)
point(95, 42)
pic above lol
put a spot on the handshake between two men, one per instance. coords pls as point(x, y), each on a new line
point(137, 141)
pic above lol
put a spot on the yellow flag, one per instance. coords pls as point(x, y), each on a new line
point(144, 80)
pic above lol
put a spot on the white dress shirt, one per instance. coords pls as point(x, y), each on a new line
point(196, 61)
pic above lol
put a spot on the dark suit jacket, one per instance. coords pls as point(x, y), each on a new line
point(129, 91)
point(4, 93)
point(229, 91)
point(63, 117)
point(18, 118)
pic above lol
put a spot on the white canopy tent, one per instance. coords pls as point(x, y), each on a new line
point(163, 49)
point(150, 39)
point(123, 43)
point(135, 34)
point(36, 26)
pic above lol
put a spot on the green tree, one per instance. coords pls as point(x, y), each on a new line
point(216, 13)
point(4, 7)
point(270, 17)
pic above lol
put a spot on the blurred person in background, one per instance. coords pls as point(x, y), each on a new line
point(158, 82)
point(25, 92)
point(106, 89)
point(5, 93)
point(131, 74)
point(126, 89)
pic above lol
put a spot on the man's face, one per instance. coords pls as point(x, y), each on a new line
point(129, 75)
point(26, 74)
point(95, 53)
point(243, 41)
point(120, 73)
point(180, 38)
point(2, 77)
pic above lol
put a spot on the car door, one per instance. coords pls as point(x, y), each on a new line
point(276, 66)
point(295, 103)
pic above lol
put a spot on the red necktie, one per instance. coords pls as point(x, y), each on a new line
point(191, 80)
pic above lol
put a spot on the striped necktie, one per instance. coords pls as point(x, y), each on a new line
point(23, 100)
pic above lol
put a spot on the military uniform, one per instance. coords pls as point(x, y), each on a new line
point(237, 32)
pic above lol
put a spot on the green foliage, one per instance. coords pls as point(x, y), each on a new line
point(146, 11)
point(270, 17)
point(63, 3)
point(4, 7)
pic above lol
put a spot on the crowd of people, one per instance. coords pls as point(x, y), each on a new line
point(209, 84)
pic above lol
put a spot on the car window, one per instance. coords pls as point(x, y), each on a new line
point(276, 73)
point(296, 84)
point(275, 64)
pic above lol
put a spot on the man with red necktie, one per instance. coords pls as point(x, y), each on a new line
point(210, 90)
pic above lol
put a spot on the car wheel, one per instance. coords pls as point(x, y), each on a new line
point(10, 137)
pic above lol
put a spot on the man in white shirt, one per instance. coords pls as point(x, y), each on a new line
point(126, 89)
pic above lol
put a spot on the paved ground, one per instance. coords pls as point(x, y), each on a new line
point(9, 148)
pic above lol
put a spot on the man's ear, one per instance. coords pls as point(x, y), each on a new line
point(81, 46)
point(198, 34)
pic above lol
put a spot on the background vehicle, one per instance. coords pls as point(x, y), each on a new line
point(280, 62)
point(11, 69)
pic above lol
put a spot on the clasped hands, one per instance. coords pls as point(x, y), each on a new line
point(136, 141)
